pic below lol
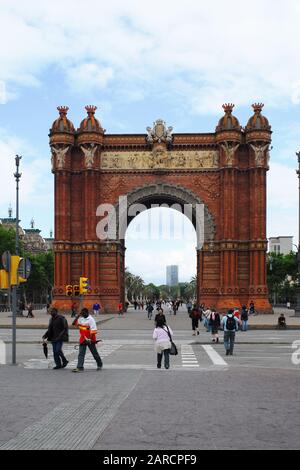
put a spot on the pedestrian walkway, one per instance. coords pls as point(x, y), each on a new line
point(134, 356)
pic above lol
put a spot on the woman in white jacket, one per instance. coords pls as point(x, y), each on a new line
point(162, 342)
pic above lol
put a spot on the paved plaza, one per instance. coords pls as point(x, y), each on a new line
point(206, 400)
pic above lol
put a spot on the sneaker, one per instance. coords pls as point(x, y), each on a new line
point(57, 367)
point(227, 352)
point(65, 364)
point(77, 370)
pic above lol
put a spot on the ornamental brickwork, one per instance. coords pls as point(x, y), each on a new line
point(225, 171)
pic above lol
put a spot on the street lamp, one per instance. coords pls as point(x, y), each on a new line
point(17, 176)
point(297, 308)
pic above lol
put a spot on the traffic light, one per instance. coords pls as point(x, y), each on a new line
point(4, 279)
point(76, 290)
point(14, 275)
point(84, 285)
point(69, 290)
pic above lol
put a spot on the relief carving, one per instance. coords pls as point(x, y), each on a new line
point(229, 151)
point(160, 157)
point(89, 154)
point(58, 153)
point(259, 152)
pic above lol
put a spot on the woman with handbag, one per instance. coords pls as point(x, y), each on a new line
point(162, 336)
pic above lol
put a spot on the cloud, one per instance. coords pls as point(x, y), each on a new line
point(220, 52)
point(88, 74)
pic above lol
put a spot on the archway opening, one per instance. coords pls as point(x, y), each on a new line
point(160, 257)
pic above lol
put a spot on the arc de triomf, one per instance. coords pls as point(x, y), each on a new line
point(225, 171)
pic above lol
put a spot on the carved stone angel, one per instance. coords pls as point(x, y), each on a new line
point(259, 152)
point(89, 154)
point(60, 154)
point(229, 152)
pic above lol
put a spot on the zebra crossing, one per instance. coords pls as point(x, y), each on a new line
point(189, 357)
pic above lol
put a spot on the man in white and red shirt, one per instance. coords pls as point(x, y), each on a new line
point(88, 331)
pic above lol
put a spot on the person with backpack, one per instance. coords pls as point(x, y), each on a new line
point(214, 323)
point(57, 333)
point(230, 325)
point(244, 318)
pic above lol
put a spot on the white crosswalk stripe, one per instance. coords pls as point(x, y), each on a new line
point(188, 358)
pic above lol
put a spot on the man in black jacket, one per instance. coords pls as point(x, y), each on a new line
point(57, 333)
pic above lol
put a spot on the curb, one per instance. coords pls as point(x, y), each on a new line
point(45, 326)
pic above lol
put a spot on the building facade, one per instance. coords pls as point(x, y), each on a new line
point(172, 275)
point(223, 172)
point(281, 245)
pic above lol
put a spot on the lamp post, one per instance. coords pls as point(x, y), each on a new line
point(17, 176)
point(297, 308)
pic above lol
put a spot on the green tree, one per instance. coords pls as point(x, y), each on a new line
point(281, 276)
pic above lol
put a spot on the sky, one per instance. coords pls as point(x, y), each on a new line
point(138, 61)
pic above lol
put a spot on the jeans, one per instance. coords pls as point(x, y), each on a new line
point(229, 337)
point(206, 324)
point(58, 355)
point(244, 325)
point(166, 353)
point(82, 351)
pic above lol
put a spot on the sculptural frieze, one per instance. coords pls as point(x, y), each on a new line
point(160, 158)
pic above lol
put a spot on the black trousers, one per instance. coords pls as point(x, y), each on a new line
point(82, 351)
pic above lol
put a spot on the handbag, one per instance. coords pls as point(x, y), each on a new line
point(173, 348)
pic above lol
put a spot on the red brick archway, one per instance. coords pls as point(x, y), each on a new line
point(225, 171)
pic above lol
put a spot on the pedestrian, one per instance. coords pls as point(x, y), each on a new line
point(281, 322)
point(207, 313)
point(162, 342)
point(149, 310)
point(174, 308)
point(21, 307)
point(126, 305)
point(73, 309)
point(214, 322)
point(189, 307)
point(195, 316)
point(57, 333)
point(160, 315)
point(30, 310)
point(120, 309)
point(230, 325)
point(244, 318)
point(251, 308)
point(96, 308)
point(87, 331)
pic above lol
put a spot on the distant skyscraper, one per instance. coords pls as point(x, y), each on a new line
point(172, 275)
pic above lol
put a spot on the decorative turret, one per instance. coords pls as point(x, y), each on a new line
point(228, 128)
point(228, 136)
point(62, 130)
point(228, 122)
point(90, 130)
point(258, 128)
